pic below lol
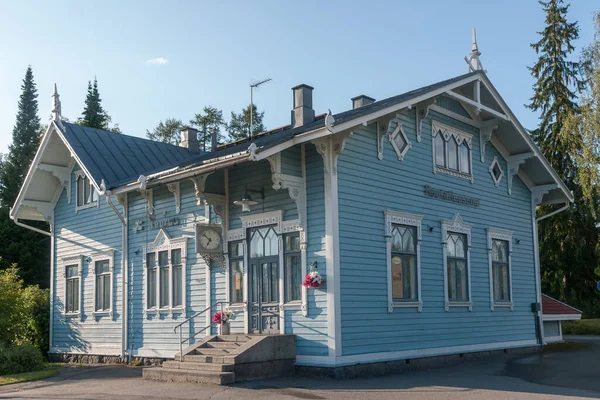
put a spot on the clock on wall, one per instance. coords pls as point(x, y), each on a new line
point(209, 243)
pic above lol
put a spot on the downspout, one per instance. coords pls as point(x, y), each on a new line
point(31, 228)
point(538, 268)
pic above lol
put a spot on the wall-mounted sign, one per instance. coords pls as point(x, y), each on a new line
point(163, 223)
point(449, 195)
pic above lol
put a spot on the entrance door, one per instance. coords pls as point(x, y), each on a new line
point(264, 280)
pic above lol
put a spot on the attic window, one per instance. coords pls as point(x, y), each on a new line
point(452, 151)
point(86, 194)
point(496, 172)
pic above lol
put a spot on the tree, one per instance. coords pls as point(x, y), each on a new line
point(568, 241)
point(24, 247)
point(94, 115)
point(209, 121)
point(239, 126)
point(166, 132)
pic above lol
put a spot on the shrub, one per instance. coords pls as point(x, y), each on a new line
point(20, 358)
point(581, 327)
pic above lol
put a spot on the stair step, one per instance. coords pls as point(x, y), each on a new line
point(179, 375)
point(203, 358)
point(233, 338)
point(221, 345)
point(211, 351)
point(189, 365)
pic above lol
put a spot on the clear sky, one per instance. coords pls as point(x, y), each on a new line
point(207, 53)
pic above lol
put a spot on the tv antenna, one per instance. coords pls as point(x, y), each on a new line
point(252, 86)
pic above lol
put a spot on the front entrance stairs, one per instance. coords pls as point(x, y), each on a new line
point(226, 359)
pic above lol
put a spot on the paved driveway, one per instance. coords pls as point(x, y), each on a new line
point(553, 375)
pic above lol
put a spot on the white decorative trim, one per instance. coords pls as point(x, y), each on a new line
point(199, 182)
point(267, 218)
point(398, 131)
point(330, 149)
point(105, 255)
point(399, 218)
point(538, 193)
point(148, 195)
point(460, 137)
point(63, 263)
point(485, 135)
point(513, 163)
point(164, 242)
point(297, 192)
point(63, 174)
point(174, 188)
point(561, 317)
point(422, 110)
point(491, 171)
point(456, 225)
point(500, 234)
point(91, 204)
point(275, 164)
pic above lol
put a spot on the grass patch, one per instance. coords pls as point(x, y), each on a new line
point(581, 327)
point(49, 370)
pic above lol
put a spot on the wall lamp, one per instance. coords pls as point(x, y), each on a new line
point(246, 201)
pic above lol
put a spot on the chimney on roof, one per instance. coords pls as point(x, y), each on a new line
point(302, 112)
point(189, 139)
point(213, 141)
point(361, 100)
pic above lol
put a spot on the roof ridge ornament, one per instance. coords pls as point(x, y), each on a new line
point(473, 61)
point(56, 108)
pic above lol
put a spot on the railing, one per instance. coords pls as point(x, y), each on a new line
point(189, 338)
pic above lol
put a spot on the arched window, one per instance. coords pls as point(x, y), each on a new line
point(263, 242)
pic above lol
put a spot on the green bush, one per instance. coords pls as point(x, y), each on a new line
point(20, 358)
point(581, 327)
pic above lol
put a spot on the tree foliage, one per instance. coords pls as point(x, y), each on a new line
point(166, 132)
point(209, 121)
point(239, 125)
point(94, 115)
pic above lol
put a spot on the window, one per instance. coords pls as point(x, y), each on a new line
point(500, 250)
point(496, 172)
point(403, 232)
point(165, 274)
point(263, 242)
point(292, 268)
point(456, 245)
point(103, 285)
point(400, 142)
point(72, 287)
point(86, 194)
point(452, 151)
point(236, 273)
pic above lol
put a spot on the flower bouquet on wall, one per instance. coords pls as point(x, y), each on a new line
point(312, 280)
point(222, 319)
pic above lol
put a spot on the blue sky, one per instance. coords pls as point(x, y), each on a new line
point(213, 50)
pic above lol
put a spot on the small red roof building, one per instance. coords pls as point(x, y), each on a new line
point(554, 310)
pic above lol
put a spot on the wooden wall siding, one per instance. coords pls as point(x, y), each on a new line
point(452, 105)
point(551, 328)
point(215, 183)
point(154, 335)
point(368, 186)
point(89, 231)
point(291, 161)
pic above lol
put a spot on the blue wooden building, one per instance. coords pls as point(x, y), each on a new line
point(419, 212)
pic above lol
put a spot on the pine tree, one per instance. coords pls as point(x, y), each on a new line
point(208, 121)
point(239, 125)
point(568, 240)
point(166, 132)
point(28, 249)
point(94, 114)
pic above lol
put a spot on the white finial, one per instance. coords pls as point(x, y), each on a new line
point(56, 108)
point(473, 60)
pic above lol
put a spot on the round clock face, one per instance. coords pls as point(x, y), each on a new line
point(210, 239)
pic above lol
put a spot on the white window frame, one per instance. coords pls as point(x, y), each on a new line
point(68, 261)
point(164, 242)
point(456, 225)
point(81, 175)
point(400, 218)
point(461, 137)
point(500, 234)
point(491, 169)
point(399, 131)
point(108, 255)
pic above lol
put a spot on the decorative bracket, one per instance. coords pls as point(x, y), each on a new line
point(63, 174)
point(422, 111)
point(330, 148)
point(148, 196)
point(513, 164)
point(42, 207)
point(199, 186)
point(275, 163)
point(297, 191)
point(538, 192)
point(175, 189)
point(383, 126)
point(485, 134)
point(217, 201)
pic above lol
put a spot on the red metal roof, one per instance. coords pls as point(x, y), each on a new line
point(552, 306)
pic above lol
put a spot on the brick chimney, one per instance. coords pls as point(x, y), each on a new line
point(189, 139)
point(303, 112)
point(361, 100)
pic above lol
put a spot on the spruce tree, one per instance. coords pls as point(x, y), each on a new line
point(209, 121)
point(239, 125)
point(29, 250)
point(93, 114)
point(568, 240)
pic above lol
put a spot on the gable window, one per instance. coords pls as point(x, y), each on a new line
point(103, 269)
point(400, 142)
point(165, 273)
point(72, 274)
point(403, 233)
point(292, 268)
point(86, 194)
point(236, 272)
point(452, 151)
point(456, 245)
point(496, 172)
point(499, 254)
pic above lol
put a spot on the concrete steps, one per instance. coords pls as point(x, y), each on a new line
point(198, 366)
point(188, 375)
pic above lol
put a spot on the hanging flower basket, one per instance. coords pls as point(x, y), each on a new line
point(222, 317)
point(312, 280)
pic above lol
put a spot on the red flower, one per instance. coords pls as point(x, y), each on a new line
point(312, 280)
point(219, 318)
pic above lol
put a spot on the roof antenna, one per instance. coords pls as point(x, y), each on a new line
point(252, 86)
point(473, 60)
point(56, 108)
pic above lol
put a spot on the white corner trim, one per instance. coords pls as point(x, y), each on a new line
point(491, 171)
point(399, 218)
point(108, 254)
point(456, 225)
point(63, 263)
point(500, 234)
